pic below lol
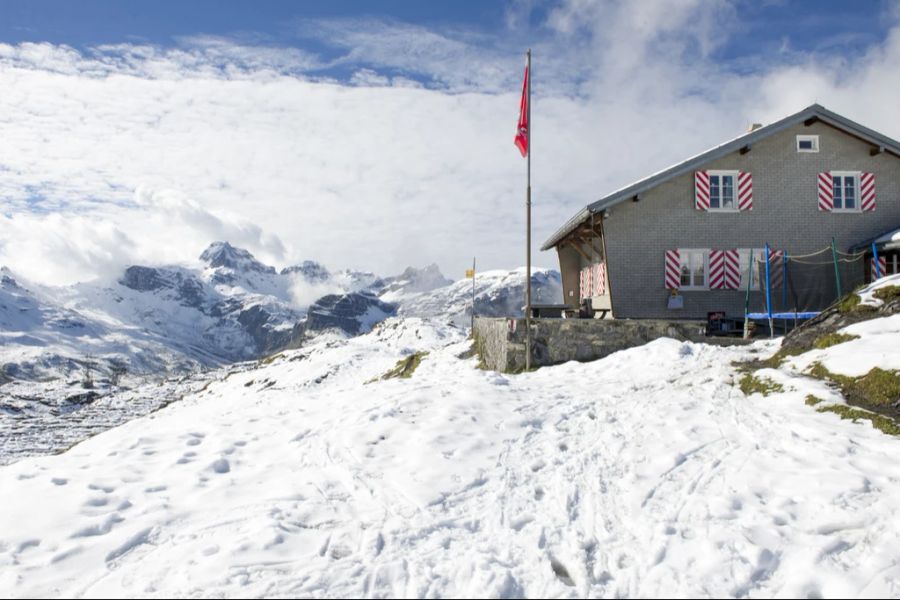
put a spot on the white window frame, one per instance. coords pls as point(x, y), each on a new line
point(808, 138)
point(892, 265)
point(856, 176)
point(685, 252)
point(734, 199)
point(744, 262)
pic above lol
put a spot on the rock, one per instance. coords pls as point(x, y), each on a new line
point(143, 279)
point(352, 313)
point(310, 270)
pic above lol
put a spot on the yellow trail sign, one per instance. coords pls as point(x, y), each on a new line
point(470, 273)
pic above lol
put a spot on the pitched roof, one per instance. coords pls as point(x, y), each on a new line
point(816, 112)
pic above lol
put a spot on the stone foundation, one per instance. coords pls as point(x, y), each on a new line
point(501, 342)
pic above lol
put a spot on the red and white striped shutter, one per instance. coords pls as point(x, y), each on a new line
point(585, 287)
point(605, 274)
point(599, 279)
point(716, 269)
point(826, 192)
point(776, 268)
point(732, 270)
point(867, 191)
point(673, 269)
point(882, 264)
point(701, 190)
point(745, 191)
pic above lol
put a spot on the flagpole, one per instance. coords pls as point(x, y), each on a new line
point(528, 233)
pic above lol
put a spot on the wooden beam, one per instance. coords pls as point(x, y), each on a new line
point(876, 151)
point(636, 198)
point(810, 121)
point(581, 252)
point(745, 149)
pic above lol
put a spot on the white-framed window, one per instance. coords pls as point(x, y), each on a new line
point(807, 143)
point(694, 268)
point(748, 269)
point(723, 190)
point(892, 265)
point(845, 185)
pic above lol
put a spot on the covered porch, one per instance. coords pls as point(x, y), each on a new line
point(583, 268)
point(882, 254)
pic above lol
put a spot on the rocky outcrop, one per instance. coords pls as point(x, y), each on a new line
point(143, 279)
point(310, 270)
point(847, 312)
point(266, 336)
point(351, 313)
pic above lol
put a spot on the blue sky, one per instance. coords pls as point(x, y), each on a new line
point(378, 135)
point(763, 29)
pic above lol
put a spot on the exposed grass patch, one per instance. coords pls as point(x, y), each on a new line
point(812, 400)
point(773, 362)
point(271, 358)
point(888, 293)
point(880, 422)
point(833, 339)
point(751, 384)
point(877, 388)
point(851, 303)
point(404, 368)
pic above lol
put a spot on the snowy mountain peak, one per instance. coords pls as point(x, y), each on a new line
point(424, 279)
point(413, 281)
point(223, 254)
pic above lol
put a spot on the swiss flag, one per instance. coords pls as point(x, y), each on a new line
point(522, 130)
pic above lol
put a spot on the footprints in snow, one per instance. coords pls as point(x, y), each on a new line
point(220, 466)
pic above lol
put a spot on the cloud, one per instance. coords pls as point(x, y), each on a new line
point(146, 154)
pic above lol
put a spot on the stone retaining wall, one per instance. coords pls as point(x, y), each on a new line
point(500, 343)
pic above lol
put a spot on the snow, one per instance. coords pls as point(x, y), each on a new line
point(647, 473)
point(867, 293)
point(877, 347)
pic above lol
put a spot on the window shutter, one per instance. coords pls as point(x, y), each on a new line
point(826, 192)
point(598, 279)
point(701, 190)
point(732, 269)
point(882, 265)
point(673, 269)
point(867, 191)
point(776, 268)
point(716, 269)
point(745, 191)
point(585, 283)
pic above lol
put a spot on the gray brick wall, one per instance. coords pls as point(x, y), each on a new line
point(785, 214)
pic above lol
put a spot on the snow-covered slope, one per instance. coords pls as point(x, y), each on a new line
point(178, 319)
point(645, 474)
point(497, 293)
point(41, 337)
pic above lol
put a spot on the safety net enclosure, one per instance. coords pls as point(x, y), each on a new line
point(799, 286)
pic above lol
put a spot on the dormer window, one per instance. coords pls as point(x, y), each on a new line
point(807, 143)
